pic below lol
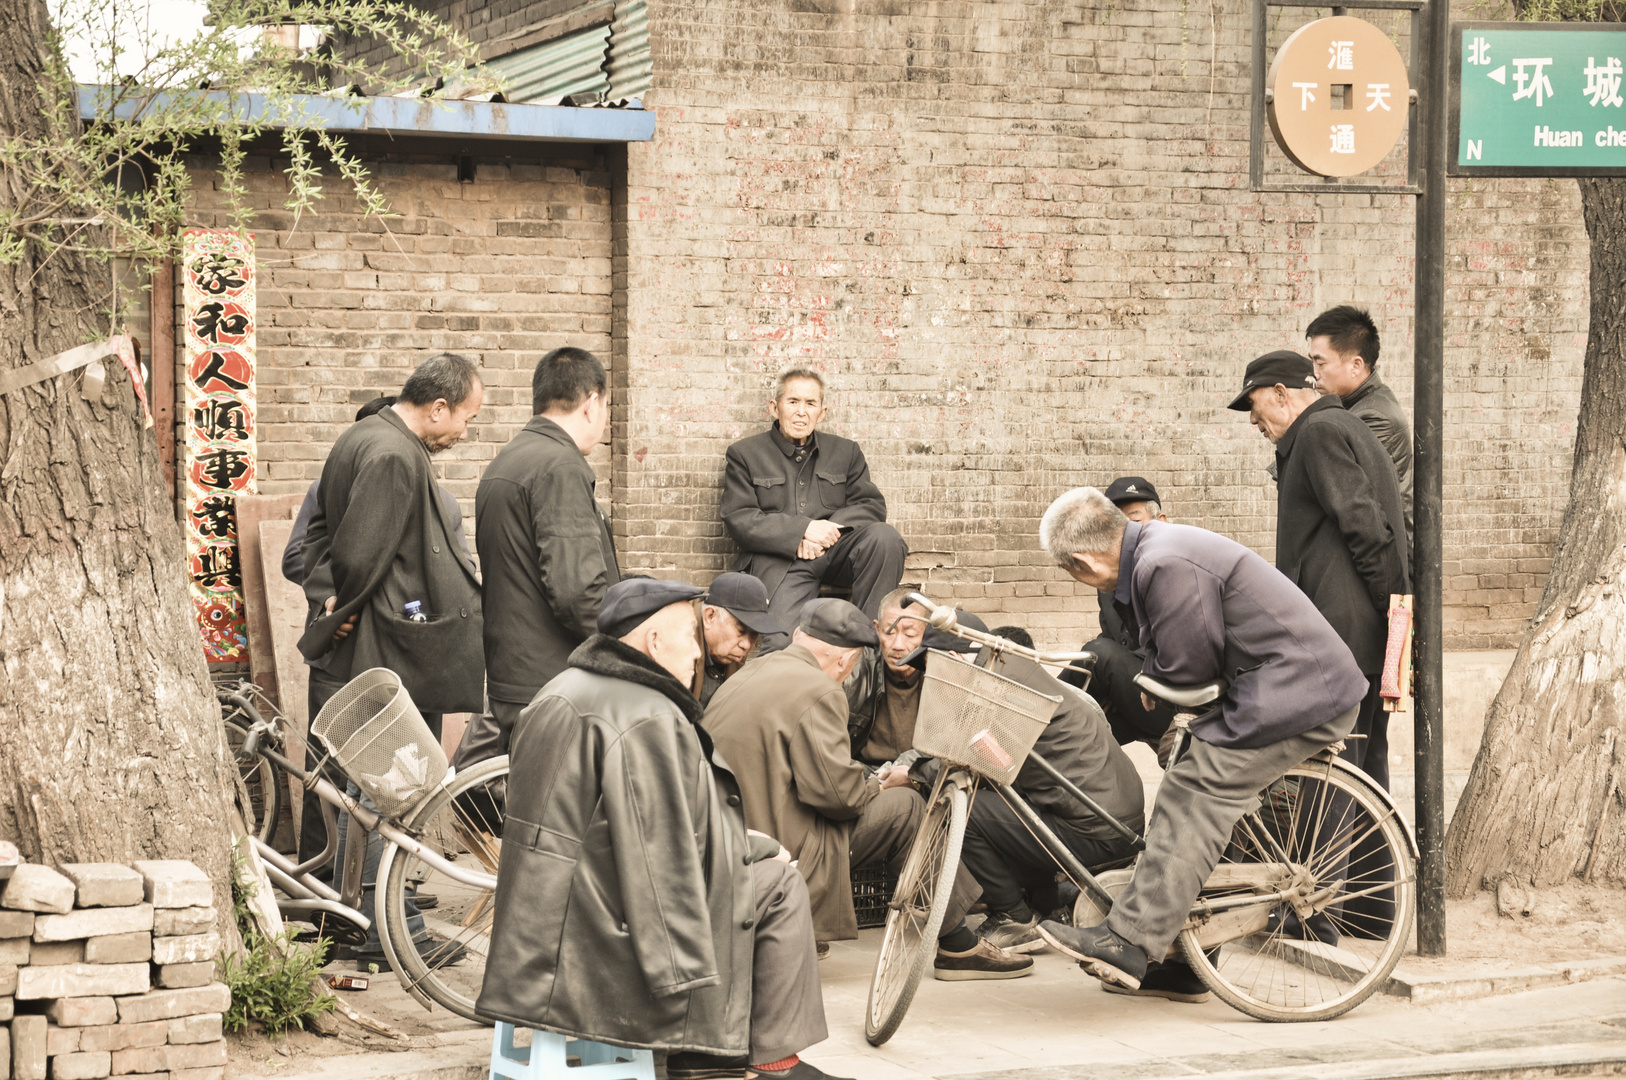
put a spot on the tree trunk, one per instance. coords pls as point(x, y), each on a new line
point(1544, 799)
point(111, 746)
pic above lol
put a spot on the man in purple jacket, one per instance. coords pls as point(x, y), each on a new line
point(1208, 609)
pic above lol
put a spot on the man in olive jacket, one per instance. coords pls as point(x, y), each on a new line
point(801, 506)
point(380, 540)
point(545, 549)
point(1343, 345)
point(1340, 532)
point(632, 906)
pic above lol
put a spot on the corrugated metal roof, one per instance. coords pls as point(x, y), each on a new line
point(545, 74)
point(629, 64)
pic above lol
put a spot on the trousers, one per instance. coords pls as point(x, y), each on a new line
point(787, 1005)
point(1203, 795)
point(884, 833)
point(1112, 685)
point(869, 558)
point(1007, 860)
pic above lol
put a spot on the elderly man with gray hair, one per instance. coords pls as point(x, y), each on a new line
point(1208, 609)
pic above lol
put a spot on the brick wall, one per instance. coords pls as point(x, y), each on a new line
point(500, 270)
point(1019, 239)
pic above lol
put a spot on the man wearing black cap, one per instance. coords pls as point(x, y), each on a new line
point(633, 907)
point(1340, 523)
point(731, 620)
point(782, 724)
point(801, 506)
point(1118, 650)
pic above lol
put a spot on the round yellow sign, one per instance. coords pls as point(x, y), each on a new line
point(1338, 96)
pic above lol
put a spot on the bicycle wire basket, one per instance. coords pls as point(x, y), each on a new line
point(380, 740)
point(978, 718)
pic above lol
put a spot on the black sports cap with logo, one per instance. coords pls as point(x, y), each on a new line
point(745, 598)
point(1282, 366)
point(1131, 489)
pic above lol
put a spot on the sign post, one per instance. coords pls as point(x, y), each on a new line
point(1346, 134)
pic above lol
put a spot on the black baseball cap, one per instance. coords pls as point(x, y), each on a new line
point(744, 597)
point(1129, 489)
point(837, 622)
point(628, 603)
point(1282, 366)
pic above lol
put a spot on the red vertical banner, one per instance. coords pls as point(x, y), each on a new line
point(218, 298)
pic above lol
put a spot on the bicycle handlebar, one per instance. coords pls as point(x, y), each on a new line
point(941, 617)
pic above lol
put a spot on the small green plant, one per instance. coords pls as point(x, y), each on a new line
point(275, 979)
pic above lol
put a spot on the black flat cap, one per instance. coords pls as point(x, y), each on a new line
point(1130, 489)
point(1282, 366)
point(836, 622)
point(744, 597)
point(628, 603)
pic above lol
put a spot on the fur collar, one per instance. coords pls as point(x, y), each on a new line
point(606, 656)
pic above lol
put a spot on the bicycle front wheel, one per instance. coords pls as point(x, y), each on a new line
point(916, 914)
point(1323, 833)
point(462, 823)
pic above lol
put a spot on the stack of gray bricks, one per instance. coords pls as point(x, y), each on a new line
point(109, 970)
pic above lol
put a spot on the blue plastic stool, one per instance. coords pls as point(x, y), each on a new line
point(545, 1058)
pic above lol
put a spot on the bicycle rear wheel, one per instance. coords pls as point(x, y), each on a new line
point(1323, 831)
point(462, 823)
point(916, 914)
point(263, 782)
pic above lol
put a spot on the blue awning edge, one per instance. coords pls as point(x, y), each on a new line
point(405, 118)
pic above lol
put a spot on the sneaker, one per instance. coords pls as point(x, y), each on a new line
point(982, 962)
point(689, 1065)
point(1170, 980)
point(1003, 932)
point(1101, 952)
point(799, 1071)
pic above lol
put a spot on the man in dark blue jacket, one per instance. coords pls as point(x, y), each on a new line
point(1208, 608)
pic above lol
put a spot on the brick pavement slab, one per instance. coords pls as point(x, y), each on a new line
point(103, 884)
point(37, 888)
point(175, 883)
point(82, 980)
point(93, 922)
point(53, 953)
point(133, 948)
point(83, 1012)
point(181, 976)
point(176, 922)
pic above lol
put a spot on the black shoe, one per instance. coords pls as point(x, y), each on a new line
point(437, 952)
point(982, 962)
point(1168, 979)
point(425, 901)
point(799, 1071)
point(1013, 935)
point(1317, 927)
point(1101, 952)
point(689, 1065)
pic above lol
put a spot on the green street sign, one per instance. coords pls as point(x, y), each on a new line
point(1538, 99)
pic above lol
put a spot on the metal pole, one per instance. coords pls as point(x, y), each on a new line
point(1428, 479)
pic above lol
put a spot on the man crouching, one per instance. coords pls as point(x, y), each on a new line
point(632, 907)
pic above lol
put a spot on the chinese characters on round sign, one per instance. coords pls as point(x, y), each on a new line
point(1338, 96)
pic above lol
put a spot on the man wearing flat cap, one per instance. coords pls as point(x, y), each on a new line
point(1117, 648)
point(782, 724)
point(731, 620)
point(1340, 522)
point(633, 907)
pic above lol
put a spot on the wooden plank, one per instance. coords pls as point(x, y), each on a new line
point(262, 572)
point(285, 612)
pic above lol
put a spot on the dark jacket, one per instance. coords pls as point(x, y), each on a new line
point(293, 555)
point(625, 898)
point(769, 496)
point(1210, 609)
point(782, 724)
point(546, 554)
point(1339, 525)
point(1117, 622)
point(1378, 408)
point(865, 688)
point(380, 537)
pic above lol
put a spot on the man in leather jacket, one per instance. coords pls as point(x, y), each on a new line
point(801, 506)
point(633, 907)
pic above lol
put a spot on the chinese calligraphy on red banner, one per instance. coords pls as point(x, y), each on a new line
point(218, 295)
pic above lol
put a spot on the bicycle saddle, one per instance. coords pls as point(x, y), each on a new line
point(1187, 697)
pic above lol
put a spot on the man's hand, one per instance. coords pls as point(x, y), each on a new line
point(783, 856)
point(1146, 701)
point(897, 776)
point(808, 550)
point(823, 533)
point(345, 627)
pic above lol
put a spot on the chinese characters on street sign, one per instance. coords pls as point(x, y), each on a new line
point(219, 279)
point(1338, 96)
point(1538, 99)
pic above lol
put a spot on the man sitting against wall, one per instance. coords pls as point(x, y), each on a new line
point(801, 505)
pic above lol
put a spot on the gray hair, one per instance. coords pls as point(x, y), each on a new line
point(447, 377)
point(796, 373)
point(1080, 521)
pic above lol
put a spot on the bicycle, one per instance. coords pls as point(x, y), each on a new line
point(442, 820)
point(1322, 837)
